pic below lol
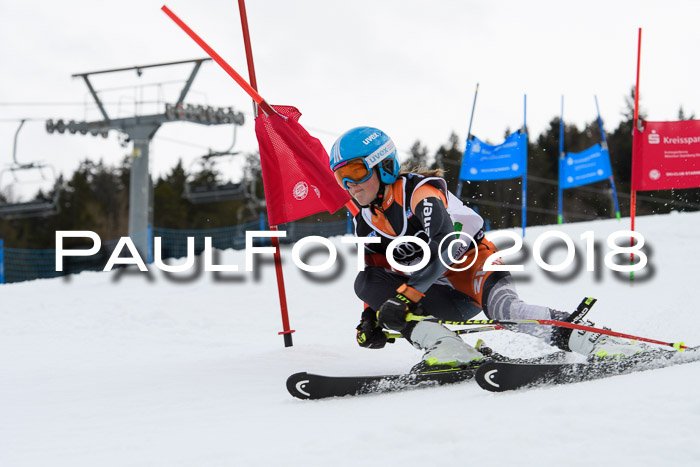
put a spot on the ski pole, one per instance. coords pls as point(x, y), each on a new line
point(396, 335)
point(680, 346)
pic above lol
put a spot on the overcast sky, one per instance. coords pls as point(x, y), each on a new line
point(408, 67)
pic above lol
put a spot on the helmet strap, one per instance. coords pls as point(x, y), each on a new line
point(377, 202)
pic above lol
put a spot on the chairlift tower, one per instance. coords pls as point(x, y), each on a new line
point(141, 129)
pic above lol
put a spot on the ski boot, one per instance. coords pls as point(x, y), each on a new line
point(593, 344)
point(443, 348)
point(588, 343)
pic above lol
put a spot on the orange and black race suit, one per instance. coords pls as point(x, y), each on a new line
point(421, 206)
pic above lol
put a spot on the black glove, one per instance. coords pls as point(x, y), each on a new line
point(392, 313)
point(369, 334)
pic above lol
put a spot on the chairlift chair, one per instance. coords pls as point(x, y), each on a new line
point(200, 194)
point(36, 208)
point(29, 209)
point(215, 193)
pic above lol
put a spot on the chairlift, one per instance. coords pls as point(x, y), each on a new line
point(200, 194)
point(36, 208)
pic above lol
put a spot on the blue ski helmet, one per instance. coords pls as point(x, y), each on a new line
point(372, 145)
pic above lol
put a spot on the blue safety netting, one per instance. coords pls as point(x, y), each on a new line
point(18, 264)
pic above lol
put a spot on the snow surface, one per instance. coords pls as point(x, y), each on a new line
point(135, 369)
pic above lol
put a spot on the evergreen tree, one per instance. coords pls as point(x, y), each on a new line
point(418, 156)
point(171, 210)
point(96, 196)
point(681, 115)
point(620, 147)
point(449, 159)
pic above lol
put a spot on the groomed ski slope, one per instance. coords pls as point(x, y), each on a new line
point(132, 369)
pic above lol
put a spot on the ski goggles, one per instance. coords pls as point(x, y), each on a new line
point(359, 170)
point(354, 171)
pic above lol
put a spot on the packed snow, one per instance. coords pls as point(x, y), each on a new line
point(126, 368)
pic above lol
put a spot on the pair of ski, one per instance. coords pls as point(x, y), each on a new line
point(494, 376)
point(496, 373)
point(310, 386)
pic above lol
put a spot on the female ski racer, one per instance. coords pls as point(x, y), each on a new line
point(417, 203)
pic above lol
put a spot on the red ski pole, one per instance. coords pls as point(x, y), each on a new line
point(680, 346)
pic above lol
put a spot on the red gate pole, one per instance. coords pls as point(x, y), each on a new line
point(267, 108)
point(286, 331)
point(633, 192)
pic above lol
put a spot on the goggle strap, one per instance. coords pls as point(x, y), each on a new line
point(380, 154)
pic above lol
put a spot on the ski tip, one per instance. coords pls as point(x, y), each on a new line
point(487, 377)
point(297, 385)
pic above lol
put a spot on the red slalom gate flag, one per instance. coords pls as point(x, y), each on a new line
point(296, 176)
point(666, 155)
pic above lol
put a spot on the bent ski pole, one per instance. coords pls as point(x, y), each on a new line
point(680, 346)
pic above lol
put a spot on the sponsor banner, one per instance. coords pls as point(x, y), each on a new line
point(666, 155)
point(483, 161)
point(582, 168)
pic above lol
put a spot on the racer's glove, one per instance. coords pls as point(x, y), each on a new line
point(392, 314)
point(369, 333)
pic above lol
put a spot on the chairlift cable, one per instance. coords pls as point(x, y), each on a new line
point(62, 104)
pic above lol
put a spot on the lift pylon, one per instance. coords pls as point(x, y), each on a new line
point(141, 130)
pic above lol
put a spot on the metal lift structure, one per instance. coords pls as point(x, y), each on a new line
point(140, 129)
